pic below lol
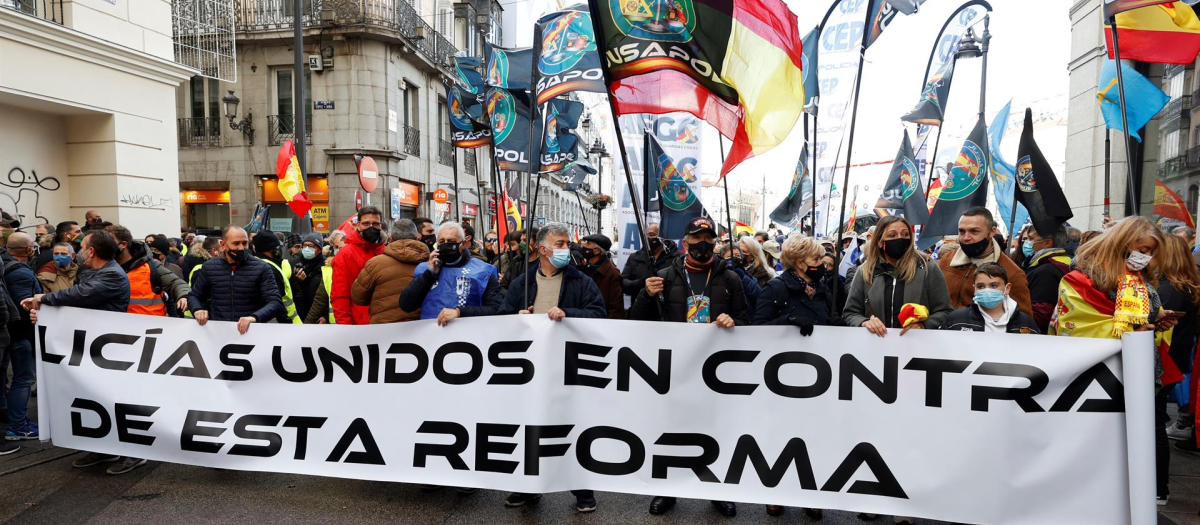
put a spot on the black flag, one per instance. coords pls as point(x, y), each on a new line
point(903, 190)
point(567, 56)
point(678, 204)
point(509, 68)
point(931, 109)
point(650, 174)
point(799, 199)
point(964, 186)
point(1037, 186)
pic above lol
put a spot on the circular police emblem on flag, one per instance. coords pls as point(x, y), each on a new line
point(565, 42)
point(503, 109)
point(497, 71)
point(673, 189)
point(463, 82)
point(966, 175)
point(458, 115)
point(908, 178)
point(797, 178)
point(1025, 179)
point(661, 20)
point(552, 134)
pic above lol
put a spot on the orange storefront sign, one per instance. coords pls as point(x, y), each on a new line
point(318, 190)
point(205, 196)
point(408, 194)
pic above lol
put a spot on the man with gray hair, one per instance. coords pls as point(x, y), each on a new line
point(452, 284)
point(385, 276)
point(1188, 234)
point(558, 290)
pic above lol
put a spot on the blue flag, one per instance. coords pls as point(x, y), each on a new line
point(1144, 98)
point(812, 86)
point(678, 204)
point(1004, 173)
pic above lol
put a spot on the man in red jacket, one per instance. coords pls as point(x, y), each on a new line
point(364, 243)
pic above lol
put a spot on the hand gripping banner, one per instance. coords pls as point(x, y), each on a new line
point(997, 428)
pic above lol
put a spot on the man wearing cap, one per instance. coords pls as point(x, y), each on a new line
point(266, 246)
point(771, 248)
point(308, 272)
point(693, 289)
point(597, 265)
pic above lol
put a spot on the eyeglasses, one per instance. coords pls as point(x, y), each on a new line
point(372, 224)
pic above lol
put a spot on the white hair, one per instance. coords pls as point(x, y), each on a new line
point(753, 249)
point(454, 226)
point(556, 228)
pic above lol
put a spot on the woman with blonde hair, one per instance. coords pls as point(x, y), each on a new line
point(1179, 290)
point(1111, 291)
point(754, 260)
point(896, 286)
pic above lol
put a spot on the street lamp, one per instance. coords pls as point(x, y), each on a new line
point(969, 48)
point(601, 152)
point(246, 126)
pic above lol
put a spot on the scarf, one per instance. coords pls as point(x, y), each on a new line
point(696, 267)
point(1132, 305)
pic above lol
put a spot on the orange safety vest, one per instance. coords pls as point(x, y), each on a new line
point(142, 299)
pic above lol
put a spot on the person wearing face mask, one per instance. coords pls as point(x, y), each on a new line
point(519, 259)
point(993, 310)
point(386, 276)
point(892, 275)
point(641, 266)
point(596, 264)
point(426, 232)
point(307, 272)
point(735, 260)
point(694, 289)
point(1046, 262)
point(976, 246)
point(154, 290)
point(557, 290)
point(451, 283)
point(92, 221)
point(267, 248)
point(236, 287)
point(59, 273)
point(159, 250)
point(363, 243)
point(21, 284)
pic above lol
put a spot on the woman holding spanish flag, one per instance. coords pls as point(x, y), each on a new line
point(1111, 292)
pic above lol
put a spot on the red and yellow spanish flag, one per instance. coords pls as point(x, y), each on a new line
point(291, 181)
point(1167, 204)
point(740, 227)
point(737, 64)
point(1166, 34)
point(935, 191)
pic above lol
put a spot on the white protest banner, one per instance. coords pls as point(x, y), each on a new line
point(996, 429)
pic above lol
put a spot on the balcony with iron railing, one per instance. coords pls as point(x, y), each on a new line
point(394, 15)
point(445, 153)
point(281, 128)
point(48, 10)
point(469, 164)
point(1193, 157)
point(197, 132)
point(412, 141)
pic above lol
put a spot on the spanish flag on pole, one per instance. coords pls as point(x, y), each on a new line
point(291, 181)
point(1166, 34)
point(734, 63)
point(1168, 205)
point(740, 228)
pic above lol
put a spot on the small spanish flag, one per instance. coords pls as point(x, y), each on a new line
point(1165, 34)
point(1167, 204)
point(740, 227)
point(291, 181)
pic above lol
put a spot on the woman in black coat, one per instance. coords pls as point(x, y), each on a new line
point(797, 297)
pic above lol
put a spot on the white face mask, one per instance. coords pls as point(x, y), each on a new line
point(1137, 261)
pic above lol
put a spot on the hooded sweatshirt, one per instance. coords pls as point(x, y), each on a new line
point(999, 326)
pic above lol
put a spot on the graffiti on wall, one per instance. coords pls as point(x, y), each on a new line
point(21, 192)
point(146, 200)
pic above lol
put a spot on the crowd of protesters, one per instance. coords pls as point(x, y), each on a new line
point(1131, 276)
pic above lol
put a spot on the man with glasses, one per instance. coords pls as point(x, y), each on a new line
point(491, 249)
point(365, 242)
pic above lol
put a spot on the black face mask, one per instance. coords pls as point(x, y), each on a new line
point(372, 235)
point(896, 248)
point(655, 243)
point(237, 256)
point(975, 249)
point(815, 273)
point(449, 253)
point(737, 262)
point(429, 240)
point(701, 251)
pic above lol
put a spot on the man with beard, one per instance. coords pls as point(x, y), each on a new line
point(597, 265)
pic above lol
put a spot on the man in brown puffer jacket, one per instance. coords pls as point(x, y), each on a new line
point(385, 276)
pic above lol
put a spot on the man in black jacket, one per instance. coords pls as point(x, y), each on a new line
point(559, 291)
point(1046, 262)
point(639, 266)
point(236, 286)
point(694, 289)
point(993, 310)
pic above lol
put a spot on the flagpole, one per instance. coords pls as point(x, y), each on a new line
point(800, 220)
point(1130, 196)
point(1107, 162)
point(812, 173)
point(933, 159)
point(583, 214)
point(837, 262)
point(457, 196)
point(725, 184)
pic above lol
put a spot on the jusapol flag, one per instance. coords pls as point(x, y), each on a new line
point(798, 202)
point(903, 188)
point(931, 109)
point(509, 68)
point(965, 186)
point(735, 63)
point(567, 57)
point(1037, 186)
point(678, 204)
point(464, 113)
point(1143, 98)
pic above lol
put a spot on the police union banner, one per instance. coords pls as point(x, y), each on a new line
point(989, 429)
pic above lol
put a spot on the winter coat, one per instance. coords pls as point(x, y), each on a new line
point(959, 273)
point(608, 280)
point(725, 293)
point(1183, 336)
point(885, 295)
point(172, 285)
point(786, 299)
point(305, 290)
point(1044, 271)
point(476, 294)
point(760, 273)
point(320, 305)
point(750, 287)
point(347, 264)
point(383, 279)
point(105, 288)
point(233, 293)
point(579, 296)
point(196, 256)
point(970, 319)
point(21, 284)
point(639, 267)
point(512, 267)
point(53, 278)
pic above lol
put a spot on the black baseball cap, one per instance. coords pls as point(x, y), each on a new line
point(700, 224)
point(599, 240)
point(9, 220)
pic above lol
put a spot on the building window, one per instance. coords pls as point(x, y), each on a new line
point(443, 127)
point(205, 97)
point(284, 84)
point(1175, 86)
point(1170, 146)
point(1192, 197)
